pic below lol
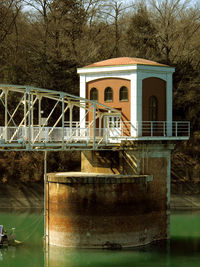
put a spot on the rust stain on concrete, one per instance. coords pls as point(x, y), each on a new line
point(95, 210)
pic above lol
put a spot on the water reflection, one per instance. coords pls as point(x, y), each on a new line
point(7, 252)
point(185, 246)
point(177, 252)
point(78, 258)
point(182, 250)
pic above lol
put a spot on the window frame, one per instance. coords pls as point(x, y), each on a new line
point(121, 93)
point(110, 92)
point(94, 91)
point(153, 108)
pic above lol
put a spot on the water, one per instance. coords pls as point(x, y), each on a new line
point(29, 230)
point(182, 250)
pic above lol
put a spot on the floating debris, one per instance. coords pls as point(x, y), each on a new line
point(8, 239)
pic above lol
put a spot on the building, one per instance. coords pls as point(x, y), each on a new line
point(140, 89)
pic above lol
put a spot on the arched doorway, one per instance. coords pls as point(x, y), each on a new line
point(153, 106)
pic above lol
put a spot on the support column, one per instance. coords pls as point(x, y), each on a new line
point(94, 125)
point(100, 162)
point(139, 104)
point(169, 104)
point(154, 159)
point(82, 94)
point(39, 115)
point(134, 93)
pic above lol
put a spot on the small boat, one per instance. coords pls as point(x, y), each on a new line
point(7, 239)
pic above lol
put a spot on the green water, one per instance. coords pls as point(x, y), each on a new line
point(182, 250)
point(29, 230)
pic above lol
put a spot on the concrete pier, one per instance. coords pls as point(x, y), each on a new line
point(106, 210)
point(99, 210)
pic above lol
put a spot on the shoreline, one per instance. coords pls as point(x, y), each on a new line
point(181, 202)
point(21, 196)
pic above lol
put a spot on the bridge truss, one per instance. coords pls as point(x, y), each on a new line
point(40, 119)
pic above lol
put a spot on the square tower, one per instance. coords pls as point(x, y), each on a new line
point(140, 89)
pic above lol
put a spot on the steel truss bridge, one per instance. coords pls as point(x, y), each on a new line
point(35, 119)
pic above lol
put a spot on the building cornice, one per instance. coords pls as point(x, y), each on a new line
point(126, 68)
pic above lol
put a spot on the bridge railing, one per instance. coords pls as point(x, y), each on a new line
point(144, 130)
point(156, 129)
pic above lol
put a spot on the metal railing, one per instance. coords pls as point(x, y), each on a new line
point(146, 129)
point(156, 128)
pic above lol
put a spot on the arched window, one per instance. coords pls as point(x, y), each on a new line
point(94, 94)
point(123, 93)
point(108, 94)
point(153, 108)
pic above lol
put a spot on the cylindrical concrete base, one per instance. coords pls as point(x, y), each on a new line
point(103, 211)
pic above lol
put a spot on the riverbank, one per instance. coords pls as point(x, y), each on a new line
point(185, 195)
point(185, 202)
point(31, 196)
point(21, 196)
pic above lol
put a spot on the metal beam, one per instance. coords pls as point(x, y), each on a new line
point(13, 114)
point(45, 121)
point(6, 114)
point(49, 93)
point(94, 125)
point(11, 118)
point(23, 120)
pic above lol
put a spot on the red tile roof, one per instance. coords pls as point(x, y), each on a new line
point(125, 61)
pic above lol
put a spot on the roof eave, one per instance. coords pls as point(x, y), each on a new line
point(115, 68)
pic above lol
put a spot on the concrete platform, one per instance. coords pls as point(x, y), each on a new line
point(96, 178)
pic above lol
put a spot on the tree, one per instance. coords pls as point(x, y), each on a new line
point(9, 11)
point(176, 24)
point(142, 34)
point(113, 12)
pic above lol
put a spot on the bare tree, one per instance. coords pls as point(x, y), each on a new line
point(113, 11)
point(42, 8)
point(9, 10)
point(176, 24)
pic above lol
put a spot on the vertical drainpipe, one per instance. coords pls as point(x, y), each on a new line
point(94, 126)
point(63, 119)
point(39, 114)
point(168, 191)
point(6, 115)
point(46, 200)
point(139, 103)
